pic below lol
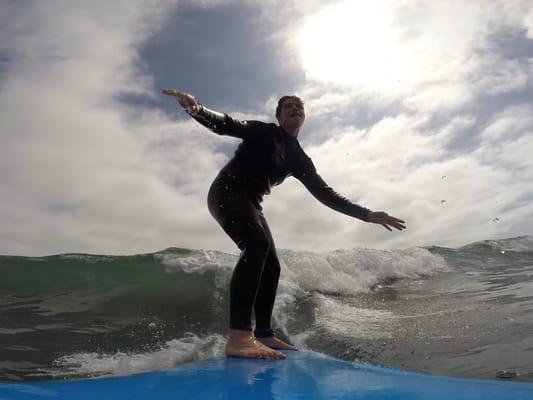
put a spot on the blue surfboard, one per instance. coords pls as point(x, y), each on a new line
point(303, 375)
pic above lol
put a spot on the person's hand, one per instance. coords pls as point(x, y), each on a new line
point(382, 218)
point(184, 99)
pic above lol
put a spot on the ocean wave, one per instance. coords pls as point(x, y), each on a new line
point(520, 244)
point(177, 351)
point(345, 272)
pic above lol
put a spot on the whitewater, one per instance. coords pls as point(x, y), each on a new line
point(464, 311)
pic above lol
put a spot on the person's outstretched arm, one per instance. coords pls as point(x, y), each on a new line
point(217, 122)
point(307, 174)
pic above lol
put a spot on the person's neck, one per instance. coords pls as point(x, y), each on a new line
point(293, 132)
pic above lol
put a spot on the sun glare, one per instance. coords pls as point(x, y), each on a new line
point(352, 43)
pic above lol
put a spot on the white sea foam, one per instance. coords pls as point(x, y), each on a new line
point(349, 272)
point(341, 272)
point(174, 352)
point(345, 319)
point(345, 272)
point(197, 262)
point(87, 258)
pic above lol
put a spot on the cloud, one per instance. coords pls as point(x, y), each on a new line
point(447, 198)
point(83, 170)
point(460, 114)
point(77, 170)
point(446, 56)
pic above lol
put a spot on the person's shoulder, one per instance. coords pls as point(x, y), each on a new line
point(266, 128)
point(256, 122)
point(270, 126)
point(297, 146)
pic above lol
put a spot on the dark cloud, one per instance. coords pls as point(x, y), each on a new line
point(223, 55)
point(511, 43)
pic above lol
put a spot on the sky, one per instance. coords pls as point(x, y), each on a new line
point(422, 109)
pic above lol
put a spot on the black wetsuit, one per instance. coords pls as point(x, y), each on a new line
point(266, 156)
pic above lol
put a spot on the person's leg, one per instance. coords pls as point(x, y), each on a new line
point(241, 222)
point(246, 276)
point(266, 294)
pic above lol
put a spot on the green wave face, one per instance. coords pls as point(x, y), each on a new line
point(75, 315)
point(59, 305)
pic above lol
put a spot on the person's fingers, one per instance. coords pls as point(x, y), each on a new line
point(386, 222)
point(382, 214)
point(170, 92)
point(397, 219)
point(178, 95)
point(397, 225)
point(183, 99)
point(394, 221)
point(386, 227)
point(384, 219)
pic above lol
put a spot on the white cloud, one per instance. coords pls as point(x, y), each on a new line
point(508, 142)
point(458, 65)
point(81, 171)
point(528, 23)
point(446, 198)
point(78, 172)
point(445, 53)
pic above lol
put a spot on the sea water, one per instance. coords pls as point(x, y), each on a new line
point(464, 311)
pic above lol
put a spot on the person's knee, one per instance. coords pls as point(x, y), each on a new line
point(259, 245)
point(273, 263)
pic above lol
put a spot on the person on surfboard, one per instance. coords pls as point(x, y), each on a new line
point(267, 155)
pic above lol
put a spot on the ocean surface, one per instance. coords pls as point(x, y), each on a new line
point(464, 311)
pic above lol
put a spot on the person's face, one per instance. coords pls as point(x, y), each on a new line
point(292, 114)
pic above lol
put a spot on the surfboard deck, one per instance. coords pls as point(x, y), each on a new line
point(303, 375)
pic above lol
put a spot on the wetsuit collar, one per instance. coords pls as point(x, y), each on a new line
point(287, 133)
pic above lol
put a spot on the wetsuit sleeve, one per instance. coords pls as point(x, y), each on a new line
point(307, 174)
point(223, 124)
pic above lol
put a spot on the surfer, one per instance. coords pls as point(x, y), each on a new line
point(267, 155)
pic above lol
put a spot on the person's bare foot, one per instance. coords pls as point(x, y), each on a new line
point(275, 343)
point(243, 344)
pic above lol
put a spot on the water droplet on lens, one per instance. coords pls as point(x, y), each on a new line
point(496, 220)
point(443, 176)
point(506, 374)
point(443, 202)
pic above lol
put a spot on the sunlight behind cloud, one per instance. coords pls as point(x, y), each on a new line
point(352, 43)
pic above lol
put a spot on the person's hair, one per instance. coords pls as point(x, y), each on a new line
point(283, 100)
